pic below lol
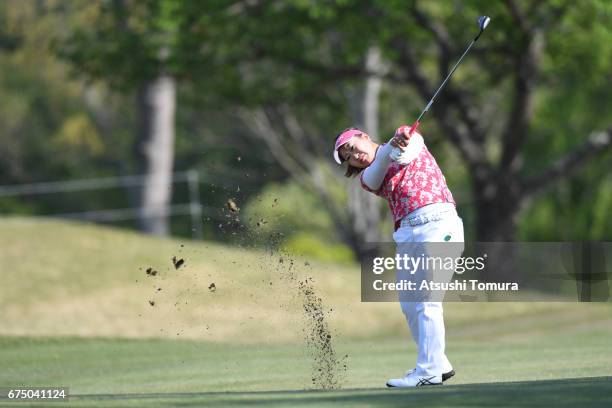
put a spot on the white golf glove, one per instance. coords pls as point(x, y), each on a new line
point(407, 154)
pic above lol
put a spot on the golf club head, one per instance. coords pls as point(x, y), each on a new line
point(483, 22)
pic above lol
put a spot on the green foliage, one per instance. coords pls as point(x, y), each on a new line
point(307, 55)
point(577, 210)
point(38, 97)
point(78, 138)
point(298, 216)
point(572, 101)
point(49, 130)
point(287, 208)
point(10, 205)
point(147, 31)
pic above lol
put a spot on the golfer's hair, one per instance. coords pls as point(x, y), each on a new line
point(350, 170)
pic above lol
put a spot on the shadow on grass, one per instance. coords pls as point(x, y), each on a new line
point(574, 392)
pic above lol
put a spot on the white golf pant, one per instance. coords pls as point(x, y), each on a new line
point(425, 318)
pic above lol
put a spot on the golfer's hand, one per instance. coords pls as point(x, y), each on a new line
point(401, 137)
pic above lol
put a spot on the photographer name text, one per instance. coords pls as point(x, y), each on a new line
point(456, 285)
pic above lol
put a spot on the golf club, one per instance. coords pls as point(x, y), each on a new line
point(483, 22)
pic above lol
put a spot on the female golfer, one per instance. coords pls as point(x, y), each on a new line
point(423, 211)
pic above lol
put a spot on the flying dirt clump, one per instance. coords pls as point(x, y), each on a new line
point(232, 207)
point(177, 262)
point(328, 367)
point(151, 272)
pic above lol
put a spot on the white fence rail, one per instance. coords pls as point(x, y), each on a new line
point(193, 207)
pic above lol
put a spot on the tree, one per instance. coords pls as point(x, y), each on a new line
point(302, 56)
point(132, 46)
point(294, 71)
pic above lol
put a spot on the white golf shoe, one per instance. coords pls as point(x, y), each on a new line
point(411, 379)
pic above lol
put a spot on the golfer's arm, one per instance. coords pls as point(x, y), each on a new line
point(374, 174)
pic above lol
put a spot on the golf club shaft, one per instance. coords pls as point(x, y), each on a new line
point(417, 122)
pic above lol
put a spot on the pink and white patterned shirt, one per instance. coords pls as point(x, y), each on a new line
point(412, 186)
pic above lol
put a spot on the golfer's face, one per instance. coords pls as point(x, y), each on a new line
point(357, 151)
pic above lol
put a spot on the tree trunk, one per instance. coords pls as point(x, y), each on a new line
point(155, 153)
point(365, 208)
point(498, 204)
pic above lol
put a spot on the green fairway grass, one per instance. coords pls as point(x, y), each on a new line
point(546, 371)
point(583, 392)
point(553, 393)
point(75, 312)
